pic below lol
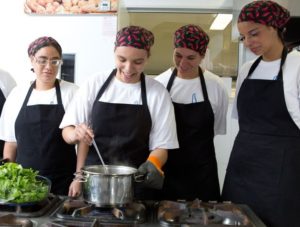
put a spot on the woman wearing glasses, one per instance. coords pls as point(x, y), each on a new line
point(264, 171)
point(31, 118)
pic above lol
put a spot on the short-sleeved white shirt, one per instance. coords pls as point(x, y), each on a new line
point(163, 132)
point(15, 101)
point(7, 83)
point(268, 71)
point(189, 90)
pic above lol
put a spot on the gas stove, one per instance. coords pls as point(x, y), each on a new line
point(30, 210)
point(58, 211)
point(26, 215)
point(154, 213)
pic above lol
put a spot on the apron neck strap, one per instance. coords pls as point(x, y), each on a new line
point(171, 80)
point(111, 76)
point(33, 85)
point(257, 61)
point(202, 82)
point(283, 58)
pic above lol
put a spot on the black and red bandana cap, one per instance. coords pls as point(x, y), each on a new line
point(41, 42)
point(268, 13)
point(135, 36)
point(192, 37)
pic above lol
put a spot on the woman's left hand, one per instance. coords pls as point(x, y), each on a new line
point(75, 189)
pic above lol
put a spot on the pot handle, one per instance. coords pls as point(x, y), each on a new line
point(139, 177)
point(80, 177)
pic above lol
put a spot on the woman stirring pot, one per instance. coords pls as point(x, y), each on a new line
point(131, 116)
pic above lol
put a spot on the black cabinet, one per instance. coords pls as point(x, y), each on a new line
point(67, 71)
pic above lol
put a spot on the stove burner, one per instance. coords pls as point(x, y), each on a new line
point(79, 210)
point(12, 220)
point(30, 210)
point(197, 213)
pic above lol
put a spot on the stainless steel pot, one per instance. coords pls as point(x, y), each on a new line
point(108, 186)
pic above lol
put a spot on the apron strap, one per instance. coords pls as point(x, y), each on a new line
point(108, 80)
point(28, 94)
point(143, 90)
point(202, 82)
point(2, 101)
point(58, 92)
point(253, 66)
point(105, 85)
point(203, 85)
point(171, 80)
point(57, 88)
point(257, 61)
point(283, 58)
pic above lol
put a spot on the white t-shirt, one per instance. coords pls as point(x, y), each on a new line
point(7, 83)
point(268, 71)
point(163, 132)
point(189, 91)
point(15, 101)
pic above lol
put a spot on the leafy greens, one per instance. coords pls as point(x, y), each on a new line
point(21, 185)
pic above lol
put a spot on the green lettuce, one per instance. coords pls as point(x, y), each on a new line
point(21, 185)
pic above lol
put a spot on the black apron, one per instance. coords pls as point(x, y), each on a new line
point(191, 171)
point(122, 133)
point(264, 167)
point(2, 101)
point(40, 143)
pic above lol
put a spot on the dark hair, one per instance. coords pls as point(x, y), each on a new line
point(43, 42)
point(281, 32)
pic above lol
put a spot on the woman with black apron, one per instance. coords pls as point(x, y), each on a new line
point(129, 115)
point(7, 83)
point(263, 170)
point(38, 141)
point(200, 103)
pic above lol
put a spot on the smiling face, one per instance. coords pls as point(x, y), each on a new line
point(187, 62)
point(44, 67)
point(130, 63)
point(260, 39)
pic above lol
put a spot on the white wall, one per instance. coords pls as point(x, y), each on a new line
point(200, 4)
point(90, 37)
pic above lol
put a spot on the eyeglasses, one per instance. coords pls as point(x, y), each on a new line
point(44, 61)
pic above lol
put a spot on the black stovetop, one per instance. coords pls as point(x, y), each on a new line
point(62, 211)
point(154, 213)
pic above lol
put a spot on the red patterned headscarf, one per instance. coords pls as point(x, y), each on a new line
point(191, 37)
point(265, 12)
point(135, 36)
point(43, 42)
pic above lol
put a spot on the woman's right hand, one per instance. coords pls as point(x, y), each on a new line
point(79, 133)
point(84, 133)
